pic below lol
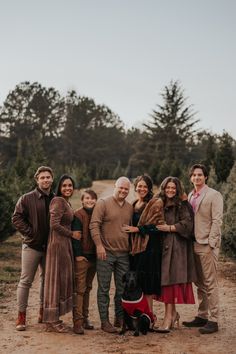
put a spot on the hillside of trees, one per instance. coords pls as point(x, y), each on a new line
point(76, 135)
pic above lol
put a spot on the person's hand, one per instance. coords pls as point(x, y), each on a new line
point(164, 227)
point(101, 253)
point(76, 235)
point(81, 258)
point(128, 228)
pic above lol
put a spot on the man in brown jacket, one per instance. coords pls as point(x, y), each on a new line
point(207, 204)
point(112, 245)
point(31, 219)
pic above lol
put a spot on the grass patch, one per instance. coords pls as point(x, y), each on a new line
point(10, 269)
point(10, 260)
point(9, 274)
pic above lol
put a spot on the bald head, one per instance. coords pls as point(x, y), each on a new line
point(121, 180)
point(122, 187)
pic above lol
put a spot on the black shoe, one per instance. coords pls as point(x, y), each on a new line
point(197, 322)
point(210, 327)
point(87, 324)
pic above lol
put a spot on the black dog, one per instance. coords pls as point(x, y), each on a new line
point(137, 315)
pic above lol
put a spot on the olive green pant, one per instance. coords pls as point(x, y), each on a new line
point(118, 265)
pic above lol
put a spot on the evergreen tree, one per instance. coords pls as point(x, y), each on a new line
point(229, 222)
point(93, 136)
point(224, 159)
point(171, 131)
point(6, 210)
point(30, 110)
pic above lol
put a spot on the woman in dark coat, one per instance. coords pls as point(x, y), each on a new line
point(178, 267)
point(146, 242)
point(58, 289)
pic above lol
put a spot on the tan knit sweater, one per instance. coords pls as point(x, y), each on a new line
point(106, 224)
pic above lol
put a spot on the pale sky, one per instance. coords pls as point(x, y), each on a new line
point(123, 52)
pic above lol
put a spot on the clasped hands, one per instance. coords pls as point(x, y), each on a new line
point(133, 229)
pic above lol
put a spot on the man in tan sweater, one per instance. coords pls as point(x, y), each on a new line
point(112, 246)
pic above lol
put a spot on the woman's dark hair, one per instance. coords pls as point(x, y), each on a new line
point(179, 189)
point(92, 194)
point(147, 179)
point(61, 180)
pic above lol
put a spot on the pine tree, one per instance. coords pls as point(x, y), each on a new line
point(171, 130)
point(224, 159)
point(229, 223)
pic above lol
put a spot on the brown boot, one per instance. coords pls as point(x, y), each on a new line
point(40, 318)
point(87, 324)
point(106, 326)
point(21, 321)
point(78, 327)
point(118, 322)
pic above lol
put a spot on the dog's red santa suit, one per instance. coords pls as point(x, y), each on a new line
point(141, 304)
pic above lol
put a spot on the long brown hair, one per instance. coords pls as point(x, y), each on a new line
point(179, 189)
point(147, 179)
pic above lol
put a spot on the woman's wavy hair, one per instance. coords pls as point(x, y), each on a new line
point(179, 189)
point(147, 179)
point(61, 180)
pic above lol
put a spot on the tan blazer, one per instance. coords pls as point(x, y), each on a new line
point(208, 217)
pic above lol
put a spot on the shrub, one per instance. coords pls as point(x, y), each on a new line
point(6, 210)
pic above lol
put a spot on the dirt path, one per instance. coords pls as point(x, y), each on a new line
point(180, 341)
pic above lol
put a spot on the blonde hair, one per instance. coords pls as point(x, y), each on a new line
point(43, 169)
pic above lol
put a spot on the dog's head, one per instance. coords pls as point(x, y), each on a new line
point(130, 279)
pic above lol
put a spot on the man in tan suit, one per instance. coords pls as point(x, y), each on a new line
point(207, 204)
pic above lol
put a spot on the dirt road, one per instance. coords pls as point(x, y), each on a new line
point(180, 341)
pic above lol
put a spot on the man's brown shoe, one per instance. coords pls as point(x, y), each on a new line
point(21, 321)
point(197, 322)
point(106, 326)
point(78, 327)
point(210, 327)
point(87, 324)
point(118, 322)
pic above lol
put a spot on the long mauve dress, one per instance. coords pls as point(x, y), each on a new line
point(58, 286)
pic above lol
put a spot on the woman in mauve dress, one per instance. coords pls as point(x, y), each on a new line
point(58, 289)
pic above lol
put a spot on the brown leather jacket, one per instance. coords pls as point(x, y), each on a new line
point(31, 218)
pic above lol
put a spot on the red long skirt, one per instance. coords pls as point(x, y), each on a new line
point(177, 294)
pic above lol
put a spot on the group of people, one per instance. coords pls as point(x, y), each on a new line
point(170, 240)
